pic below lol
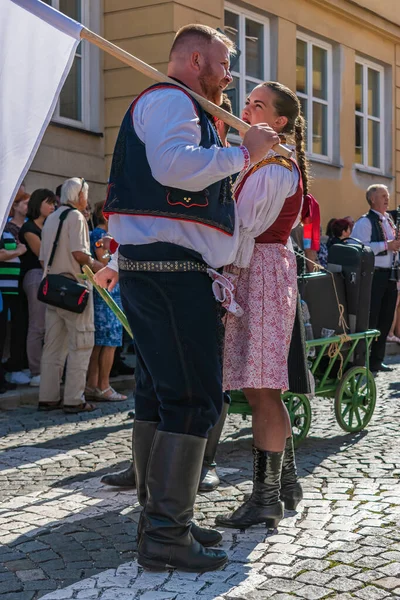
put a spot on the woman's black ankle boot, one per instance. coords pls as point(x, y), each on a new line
point(264, 505)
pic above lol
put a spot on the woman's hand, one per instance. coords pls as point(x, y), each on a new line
point(21, 249)
point(106, 278)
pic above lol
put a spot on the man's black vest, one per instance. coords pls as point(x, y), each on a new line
point(132, 189)
point(377, 233)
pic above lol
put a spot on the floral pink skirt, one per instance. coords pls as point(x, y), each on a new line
point(257, 344)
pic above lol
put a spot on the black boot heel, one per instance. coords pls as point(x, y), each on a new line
point(292, 501)
point(290, 504)
point(272, 523)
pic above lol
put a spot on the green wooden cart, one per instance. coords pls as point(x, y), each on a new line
point(352, 387)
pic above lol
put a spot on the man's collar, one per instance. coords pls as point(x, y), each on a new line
point(179, 81)
point(379, 213)
point(70, 205)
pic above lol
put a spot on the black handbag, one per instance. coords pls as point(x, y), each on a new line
point(59, 290)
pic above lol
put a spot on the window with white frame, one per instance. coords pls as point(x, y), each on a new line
point(369, 105)
point(314, 90)
point(71, 107)
point(250, 33)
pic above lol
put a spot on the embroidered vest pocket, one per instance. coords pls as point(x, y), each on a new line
point(177, 197)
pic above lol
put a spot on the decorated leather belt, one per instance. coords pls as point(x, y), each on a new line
point(160, 266)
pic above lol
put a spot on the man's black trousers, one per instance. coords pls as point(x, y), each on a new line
point(174, 320)
point(383, 304)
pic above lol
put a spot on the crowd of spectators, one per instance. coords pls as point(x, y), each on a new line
point(27, 325)
point(92, 342)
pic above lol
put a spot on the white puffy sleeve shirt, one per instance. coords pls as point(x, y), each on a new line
point(362, 231)
point(259, 204)
point(167, 123)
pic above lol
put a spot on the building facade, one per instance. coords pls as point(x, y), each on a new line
point(341, 56)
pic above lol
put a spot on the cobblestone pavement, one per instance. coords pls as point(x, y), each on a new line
point(64, 536)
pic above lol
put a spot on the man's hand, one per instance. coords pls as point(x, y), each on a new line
point(106, 278)
point(259, 140)
point(394, 245)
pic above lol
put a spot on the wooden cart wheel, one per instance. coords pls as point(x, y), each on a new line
point(299, 409)
point(355, 399)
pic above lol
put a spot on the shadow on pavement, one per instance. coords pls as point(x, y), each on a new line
point(14, 456)
point(82, 545)
point(237, 452)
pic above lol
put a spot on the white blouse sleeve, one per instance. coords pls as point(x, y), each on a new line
point(259, 204)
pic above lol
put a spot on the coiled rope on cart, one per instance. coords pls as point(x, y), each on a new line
point(334, 348)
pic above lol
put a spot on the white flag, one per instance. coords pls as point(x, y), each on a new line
point(37, 47)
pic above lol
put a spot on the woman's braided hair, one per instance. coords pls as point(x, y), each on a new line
point(287, 104)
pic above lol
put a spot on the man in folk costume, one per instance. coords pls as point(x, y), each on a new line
point(170, 209)
point(209, 479)
point(377, 230)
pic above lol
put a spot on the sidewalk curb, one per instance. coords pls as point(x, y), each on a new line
point(25, 395)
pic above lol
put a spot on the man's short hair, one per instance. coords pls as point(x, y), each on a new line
point(71, 189)
point(201, 33)
point(374, 188)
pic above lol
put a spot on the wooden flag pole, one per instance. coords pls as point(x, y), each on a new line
point(151, 72)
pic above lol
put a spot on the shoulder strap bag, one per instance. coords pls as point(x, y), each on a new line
point(59, 290)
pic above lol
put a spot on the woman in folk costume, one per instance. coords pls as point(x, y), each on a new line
point(269, 199)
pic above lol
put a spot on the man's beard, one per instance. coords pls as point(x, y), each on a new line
point(211, 91)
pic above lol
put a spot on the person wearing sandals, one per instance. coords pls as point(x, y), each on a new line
point(108, 329)
point(269, 198)
point(68, 334)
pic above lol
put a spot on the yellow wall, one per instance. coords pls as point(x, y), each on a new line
point(70, 152)
point(340, 189)
point(66, 153)
point(146, 28)
point(388, 9)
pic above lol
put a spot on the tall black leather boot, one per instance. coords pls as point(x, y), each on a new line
point(264, 505)
point(125, 479)
point(291, 490)
point(142, 441)
point(143, 436)
point(172, 479)
point(209, 479)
